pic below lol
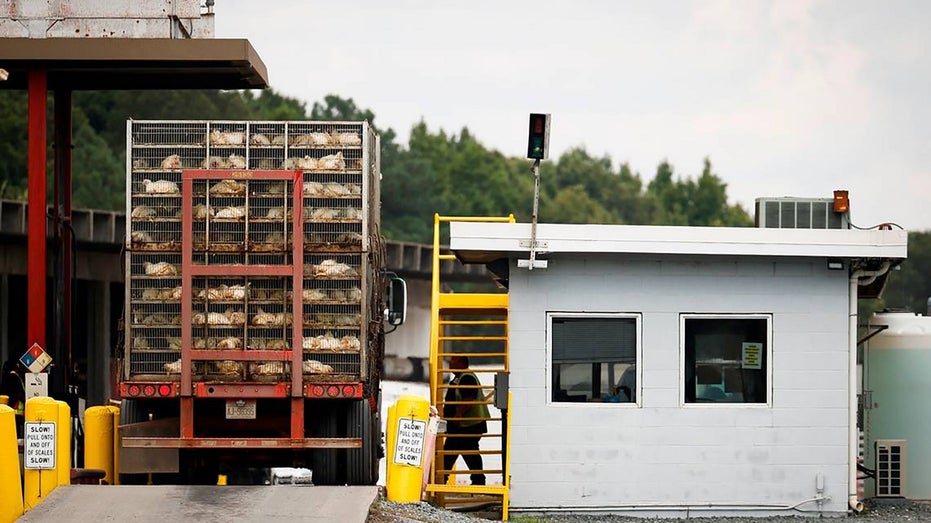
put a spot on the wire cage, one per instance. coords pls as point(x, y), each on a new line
point(246, 220)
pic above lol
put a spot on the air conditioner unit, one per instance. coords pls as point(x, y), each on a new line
point(799, 213)
point(890, 468)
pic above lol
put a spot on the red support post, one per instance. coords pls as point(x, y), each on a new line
point(37, 234)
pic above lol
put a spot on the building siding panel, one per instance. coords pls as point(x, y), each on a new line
point(664, 452)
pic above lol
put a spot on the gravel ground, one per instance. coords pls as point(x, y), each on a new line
point(384, 511)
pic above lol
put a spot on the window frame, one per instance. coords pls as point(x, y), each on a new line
point(684, 316)
point(548, 375)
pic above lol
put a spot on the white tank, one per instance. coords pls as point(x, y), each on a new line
point(898, 372)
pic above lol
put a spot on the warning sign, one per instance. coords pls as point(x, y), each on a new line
point(39, 445)
point(35, 359)
point(409, 446)
point(752, 355)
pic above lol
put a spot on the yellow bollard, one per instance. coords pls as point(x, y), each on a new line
point(115, 412)
point(63, 456)
point(39, 483)
point(407, 429)
point(98, 441)
point(11, 486)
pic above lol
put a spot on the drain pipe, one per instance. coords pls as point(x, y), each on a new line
point(853, 440)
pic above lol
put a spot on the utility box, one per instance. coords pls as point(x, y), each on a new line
point(890, 468)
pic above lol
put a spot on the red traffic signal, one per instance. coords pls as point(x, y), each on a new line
point(538, 144)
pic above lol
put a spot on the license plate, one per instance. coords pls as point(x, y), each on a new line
point(240, 409)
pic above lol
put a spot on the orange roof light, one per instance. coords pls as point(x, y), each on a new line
point(841, 202)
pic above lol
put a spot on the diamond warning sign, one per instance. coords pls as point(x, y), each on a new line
point(35, 359)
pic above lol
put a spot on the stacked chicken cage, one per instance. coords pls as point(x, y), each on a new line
point(251, 238)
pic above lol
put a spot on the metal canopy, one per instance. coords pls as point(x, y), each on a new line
point(130, 63)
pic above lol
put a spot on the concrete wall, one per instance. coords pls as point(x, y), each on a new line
point(661, 455)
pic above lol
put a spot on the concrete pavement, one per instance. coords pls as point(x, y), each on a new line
point(239, 504)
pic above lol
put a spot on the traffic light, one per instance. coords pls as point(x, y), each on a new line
point(538, 145)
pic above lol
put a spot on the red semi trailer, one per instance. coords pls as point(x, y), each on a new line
point(256, 300)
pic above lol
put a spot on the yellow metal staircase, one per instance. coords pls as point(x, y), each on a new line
point(474, 325)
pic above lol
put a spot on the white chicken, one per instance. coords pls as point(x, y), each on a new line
point(232, 212)
point(172, 294)
point(331, 162)
point(347, 320)
point(140, 343)
point(173, 367)
point(228, 188)
point(269, 368)
point(236, 162)
point(214, 162)
point(322, 342)
point(331, 268)
point(218, 137)
point(277, 213)
point(306, 163)
point(276, 344)
point(345, 138)
point(349, 237)
point(143, 211)
point(263, 318)
point(211, 318)
point(279, 139)
point(154, 319)
point(236, 317)
point(229, 368)
point(160, 269)
point(139, 163)
point(336, 189)
point(313, 189)
point(141, 237)
point(352, 213)
point(202, 343)
point(350, 343)
point(259, 139)
point(311, 295)
point(323, 213)
point(229, 343)
point(202, 211)
point(159, 187)
point(171, 162)
point(315, 367)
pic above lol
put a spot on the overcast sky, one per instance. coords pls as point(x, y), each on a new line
point(787, 98)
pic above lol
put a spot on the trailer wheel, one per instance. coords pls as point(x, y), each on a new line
point(362, 464)
point(131, 412)
point(325, 462)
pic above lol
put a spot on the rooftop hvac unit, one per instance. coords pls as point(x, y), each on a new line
point(890, 468)
point(799, 213)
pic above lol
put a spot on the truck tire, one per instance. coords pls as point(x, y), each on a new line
point(362, 464)
point(325, 462)
point(131, 412)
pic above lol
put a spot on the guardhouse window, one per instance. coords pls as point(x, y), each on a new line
point(594, 358)
point(726, 358)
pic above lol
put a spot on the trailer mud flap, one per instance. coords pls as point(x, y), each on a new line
point(137, 460)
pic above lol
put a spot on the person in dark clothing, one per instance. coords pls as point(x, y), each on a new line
point(465, 423)
point(12, 386)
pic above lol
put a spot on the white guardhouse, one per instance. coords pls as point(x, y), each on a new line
point(683, 370)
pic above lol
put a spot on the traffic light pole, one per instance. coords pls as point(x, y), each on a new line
point(533, 219)
point(533, 262)
point(538, 147)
